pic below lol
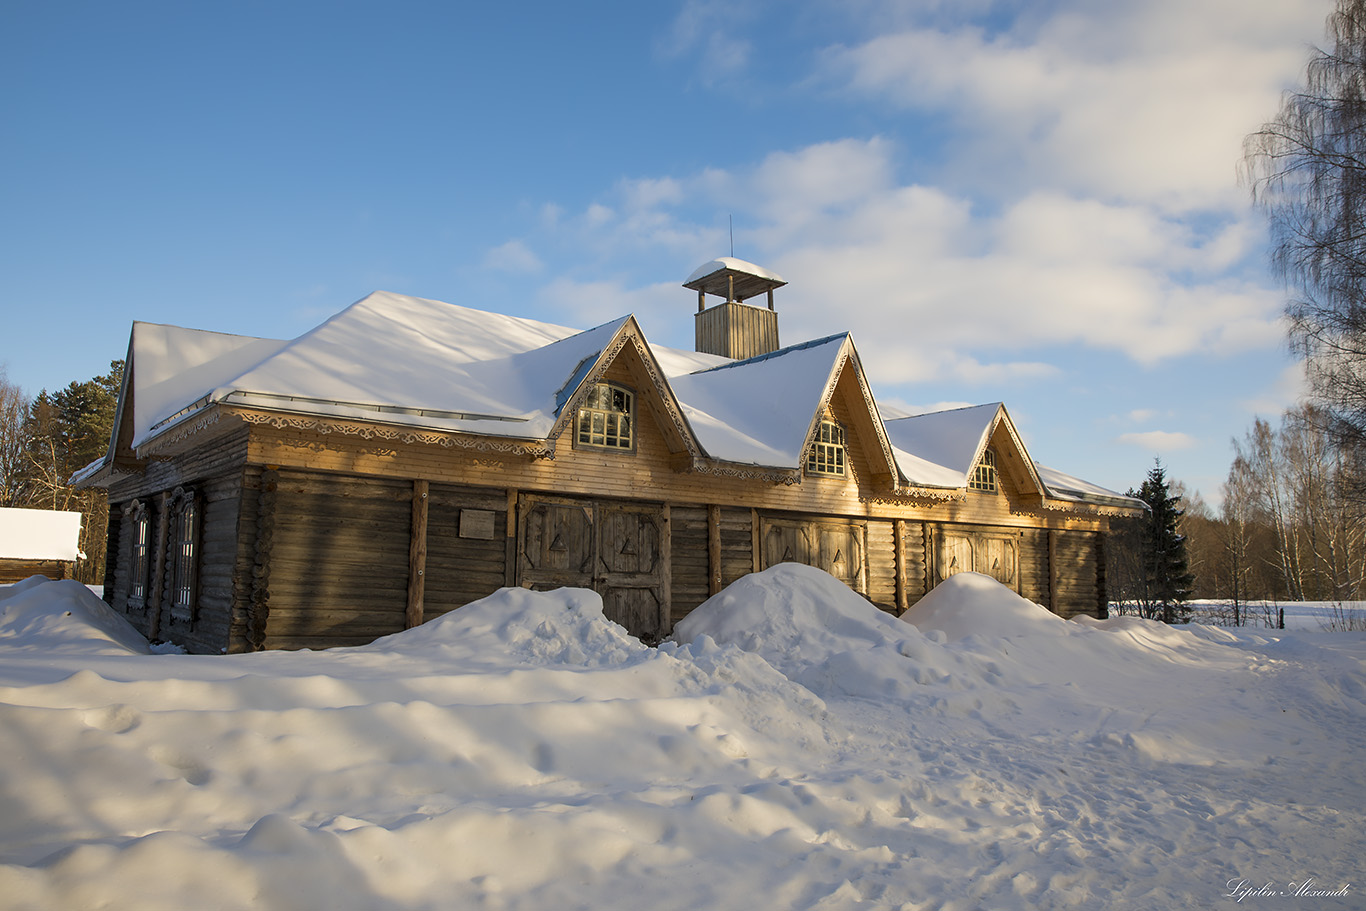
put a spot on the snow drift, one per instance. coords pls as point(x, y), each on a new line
point(795, 747)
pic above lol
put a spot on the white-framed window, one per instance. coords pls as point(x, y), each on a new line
point(607, 418)
point(984, 475)
point(827, 455)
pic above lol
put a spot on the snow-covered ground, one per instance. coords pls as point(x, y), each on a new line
point(797, 748)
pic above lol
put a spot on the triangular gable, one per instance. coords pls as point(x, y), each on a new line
point(652, 387)
point(944, 446)
point(847, 373)
point(766, 410)
point(1016, 463)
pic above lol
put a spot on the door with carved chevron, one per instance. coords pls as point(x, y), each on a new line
point(836, 547)
point(616, 548)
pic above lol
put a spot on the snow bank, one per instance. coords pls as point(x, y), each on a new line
point(795, 747)
point(63, 617)
point(968, 604)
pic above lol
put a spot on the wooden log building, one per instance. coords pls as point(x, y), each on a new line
point(410, 456)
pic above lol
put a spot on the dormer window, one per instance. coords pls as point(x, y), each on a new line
point(827, 456)
point(984, 475)
point(607, 418)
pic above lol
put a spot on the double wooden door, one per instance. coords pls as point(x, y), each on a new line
point(995, 555)
point(618, 549)
point(836, 547)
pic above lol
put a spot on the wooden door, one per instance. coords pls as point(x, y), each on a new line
point(630, 576)
point(955, 555)
point(836, 547)
point(995, 555)
point(557, 543)
point(617, 549)
point(998, 559)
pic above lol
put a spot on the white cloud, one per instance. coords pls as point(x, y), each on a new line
point(1142, 100)
point(931, 286)
point(1159, 441)
point(513, 256)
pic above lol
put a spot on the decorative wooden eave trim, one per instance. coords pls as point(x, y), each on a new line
point(630, 334)
point(848, 357)
point(203, 419)
point(904, 493)
point(788, 476)
point(1077, 508)
point(398, 433)
point(214, 413)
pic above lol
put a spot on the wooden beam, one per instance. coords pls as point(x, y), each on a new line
point(510, 553)
point(755, 540)
point(417, 556)
point(157, 583)
point(899, 549)
point(666, 576)
point(713, 549)
point(1053, 571)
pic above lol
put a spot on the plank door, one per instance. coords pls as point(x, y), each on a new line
point(955, 555)
point(630, 568)
point(617, 549)
point(835, 547)
point(557, 543)
point(997, 556)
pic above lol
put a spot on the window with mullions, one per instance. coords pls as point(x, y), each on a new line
point(984, 475)
point(827, 456)
point(607, 418)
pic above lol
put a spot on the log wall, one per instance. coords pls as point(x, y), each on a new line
point(337, 560)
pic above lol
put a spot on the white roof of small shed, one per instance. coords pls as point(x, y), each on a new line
point(39, 534)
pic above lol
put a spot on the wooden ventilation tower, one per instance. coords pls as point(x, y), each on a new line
point(734, 328)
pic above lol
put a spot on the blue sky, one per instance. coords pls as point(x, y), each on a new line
point(1034, 203)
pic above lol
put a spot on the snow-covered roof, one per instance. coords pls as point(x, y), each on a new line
point(943, 446)
point(758, 411)
point(736, 265)
point(408, 361)
point(39, 534)
point(1063, 486)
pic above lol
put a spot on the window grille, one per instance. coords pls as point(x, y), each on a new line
point(984, 475)
point(827, 456)
point(142, 549)
point(607, 418)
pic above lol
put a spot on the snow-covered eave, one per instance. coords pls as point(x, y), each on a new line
point(371, 425)
point(1071, 498)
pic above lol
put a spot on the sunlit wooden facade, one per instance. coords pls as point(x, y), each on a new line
point(241, 526)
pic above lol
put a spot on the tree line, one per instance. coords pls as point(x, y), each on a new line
point(1292, 522)
point(48, 438)
point(1291, 527)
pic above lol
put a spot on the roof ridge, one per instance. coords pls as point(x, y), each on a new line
point(802, 346)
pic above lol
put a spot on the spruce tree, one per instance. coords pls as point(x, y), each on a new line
point(1166, 565)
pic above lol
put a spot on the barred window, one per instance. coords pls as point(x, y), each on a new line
point(984, 475)
point(607, 417)
point(827, 456)
point(184, 527)
point(142, 549)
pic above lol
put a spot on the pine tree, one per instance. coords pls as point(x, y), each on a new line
point(1165, 563)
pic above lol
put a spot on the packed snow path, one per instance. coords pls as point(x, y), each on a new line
point(795, 748)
